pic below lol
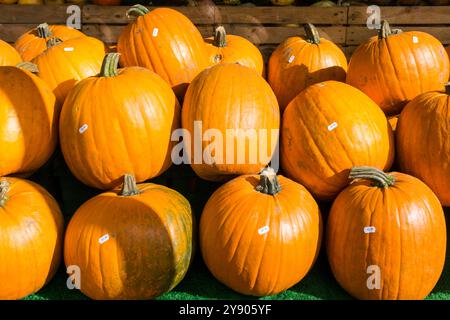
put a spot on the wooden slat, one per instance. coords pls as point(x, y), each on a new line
point(10, 33)
point(280, 15)
point(403, 15)
point(35, 14)
point(357, 35)
point(349, 51)
point(117, 14)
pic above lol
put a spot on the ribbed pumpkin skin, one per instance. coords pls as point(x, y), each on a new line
point(395, 70)
point(62, 69)
point(311, 63)
point(220, 100)
point(408, 244)
point(260, 264)
point(177, 53)
point(8, 55)
point(31, 235)
point(423, 142)
point(28, 121)
point(30, 45)
point(149, 248)
point(237, 50)
point(320, 158)
point(129, 121)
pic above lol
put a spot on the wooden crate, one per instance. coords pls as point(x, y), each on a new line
point(264, 26)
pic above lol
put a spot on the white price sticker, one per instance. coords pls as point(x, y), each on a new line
point(83, 128)
point(415, 39)
point(332, 126)
point(370, 229)
point(155, 32)
point(263, 230)
point(68, 49)
point(291, 58)
point(103, 239)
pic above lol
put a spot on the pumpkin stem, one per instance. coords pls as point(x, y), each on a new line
point(385, 30)
point(43, 31)
point(220, 37)
point(379, 178)
point(137, 10)
point(129, 187)
point(447, 88)
point(268, 182)
point(54, 41)
point(110, 64)
point(4, 188)
point(312, 35)
point(28, 66)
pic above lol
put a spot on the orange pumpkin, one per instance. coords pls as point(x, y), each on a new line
point(131, 244)
point(28, 121)
point(63, 64)
point(234, 106)
point(301, 61)
point(31, 232)
point(166, 42)
point(386, 236)
point(266, 243)
point(109, 127)
point(326, 130)
point(448, 54)
point(8, 55)
point(395, 67)
point(223, 48)
point(33, 43)
point(423, 141)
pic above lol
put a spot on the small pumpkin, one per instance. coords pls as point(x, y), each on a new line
point(166, 42)
point(8, 55)
point(326, 130)
point(134, 243)
point(28, 121)
point(223, 48)
point(386, 236)
point(236, 103)
point(266, 243)
point(63, 64)
point(395, 67)
point(31, 235)
point(34, 42)
point(301, 61)
point(117, 122)
point(423, 141)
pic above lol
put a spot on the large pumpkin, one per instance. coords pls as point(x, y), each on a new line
point(31, 232)
point(8, 55)
point(386, 236)
point(166, 42)
point(326, 130)
point(28, 121)
point(395, 67)
point(423, 141)
point(134, 243)
point(301, 61)
point(232, 117)
point(63, 64)
point(118, 122)
point(223, 48)
point(266, 243)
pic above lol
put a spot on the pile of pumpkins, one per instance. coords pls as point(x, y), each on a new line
point(341, 129)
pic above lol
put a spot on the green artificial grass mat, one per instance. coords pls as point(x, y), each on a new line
point(198, 283)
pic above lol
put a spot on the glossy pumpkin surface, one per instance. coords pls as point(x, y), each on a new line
point(8, 55)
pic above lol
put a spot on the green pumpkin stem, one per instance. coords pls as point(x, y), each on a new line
point(129, 187)
point(220, 37)
point(137, 10)
point(268, 183)
point(4, 188)
point(447, 88)
point(379, 178)
point(54, 41)
point(43, 31)
point(110, 65)
point(312, 35)
point(29, 66)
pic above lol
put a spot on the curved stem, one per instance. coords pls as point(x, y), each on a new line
point(385, 30)
point(4, 188)
point(378, 177)
point(312, 35)
point(53, 42)
point(43, 31)
point(447, 88)
point(220, 37)
point(137, 10)
point(110, 65)
point(129, 187)
point(268, 183)
point(28, 66)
